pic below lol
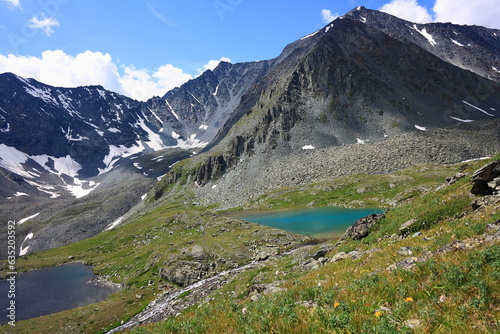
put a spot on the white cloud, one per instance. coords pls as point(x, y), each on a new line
point(409, 10)
point(44, 23)
point(56, 68)
point(140, 84)
point(479, 12)
point(327, 16)
point(212, 64)
point(14, 3)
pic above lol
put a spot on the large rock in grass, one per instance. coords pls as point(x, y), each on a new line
point(184, 273)
point(486, 180)
point(361, 228)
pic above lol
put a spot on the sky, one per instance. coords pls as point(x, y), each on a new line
point(143, 48)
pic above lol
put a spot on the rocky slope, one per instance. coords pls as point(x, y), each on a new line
point(355, 84)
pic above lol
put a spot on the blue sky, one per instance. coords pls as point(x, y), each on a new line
point(145, 47)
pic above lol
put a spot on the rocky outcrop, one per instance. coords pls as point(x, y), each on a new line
point(486, 180)
point(184, 273)
point(361, 228)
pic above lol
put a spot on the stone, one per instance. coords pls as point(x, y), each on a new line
point(184, 273)
point(455, 178)
point(355, 254)
point(338, 257)
point(272, 290)
point(360, 229)
point(405, 251)
point(483, 176)
point(307, 304)
point(196, 252)
point(256, 297)
point(484, 201)
point(407, 225)
point(310, 264)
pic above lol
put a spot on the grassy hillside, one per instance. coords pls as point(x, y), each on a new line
point(442, 279)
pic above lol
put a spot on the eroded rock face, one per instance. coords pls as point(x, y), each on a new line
point(360, 229)
point(184, 273)
point(486, 180)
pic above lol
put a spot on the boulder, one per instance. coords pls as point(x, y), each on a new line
point(484, 180)
point(184, 273)
point(360, 229)
point(455, 178)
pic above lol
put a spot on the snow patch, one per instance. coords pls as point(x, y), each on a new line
point(81, 188)
point(310, 35)
point(11, 159)
point(477, 108)
point(191, 142)
point(41, 93)
point(44, 188)
point(424, 33)
point(114, 130)
point(493, 67)
point(331, 25)
point(143, 197)
point(70, 137)
point(360, 141)
point(421, 128)
point(203, 127)
point(457, 43)
point(462, 120)
point(195, 98)
point(113, 224)
point(477, 159)
point(117, 152)
point(172, 110)
point(308, 147)
point(23, 251)
point(27, 218)
point(154, 141)
point(363, 19)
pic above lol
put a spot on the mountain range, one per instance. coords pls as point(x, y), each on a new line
point(368, 93)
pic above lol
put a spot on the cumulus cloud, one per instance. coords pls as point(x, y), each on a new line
point(485, 12)
point(56, 68)
point(409, 10)
point(46, 24)
point(327, 16)
point(14, 3)
point(212, 64)
point(141, 84)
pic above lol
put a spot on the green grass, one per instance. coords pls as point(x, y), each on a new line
point(347, 296)
point(448, 293)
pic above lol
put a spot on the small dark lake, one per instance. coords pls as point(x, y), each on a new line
point(50, 290)
point(326, 222)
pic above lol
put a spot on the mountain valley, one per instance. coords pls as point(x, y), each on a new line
point(369, 111)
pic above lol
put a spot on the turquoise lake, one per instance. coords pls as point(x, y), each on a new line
point(326, 222)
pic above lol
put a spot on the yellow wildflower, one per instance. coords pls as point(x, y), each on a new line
point(378, 313)
point(337, 304)
point(409, 300)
